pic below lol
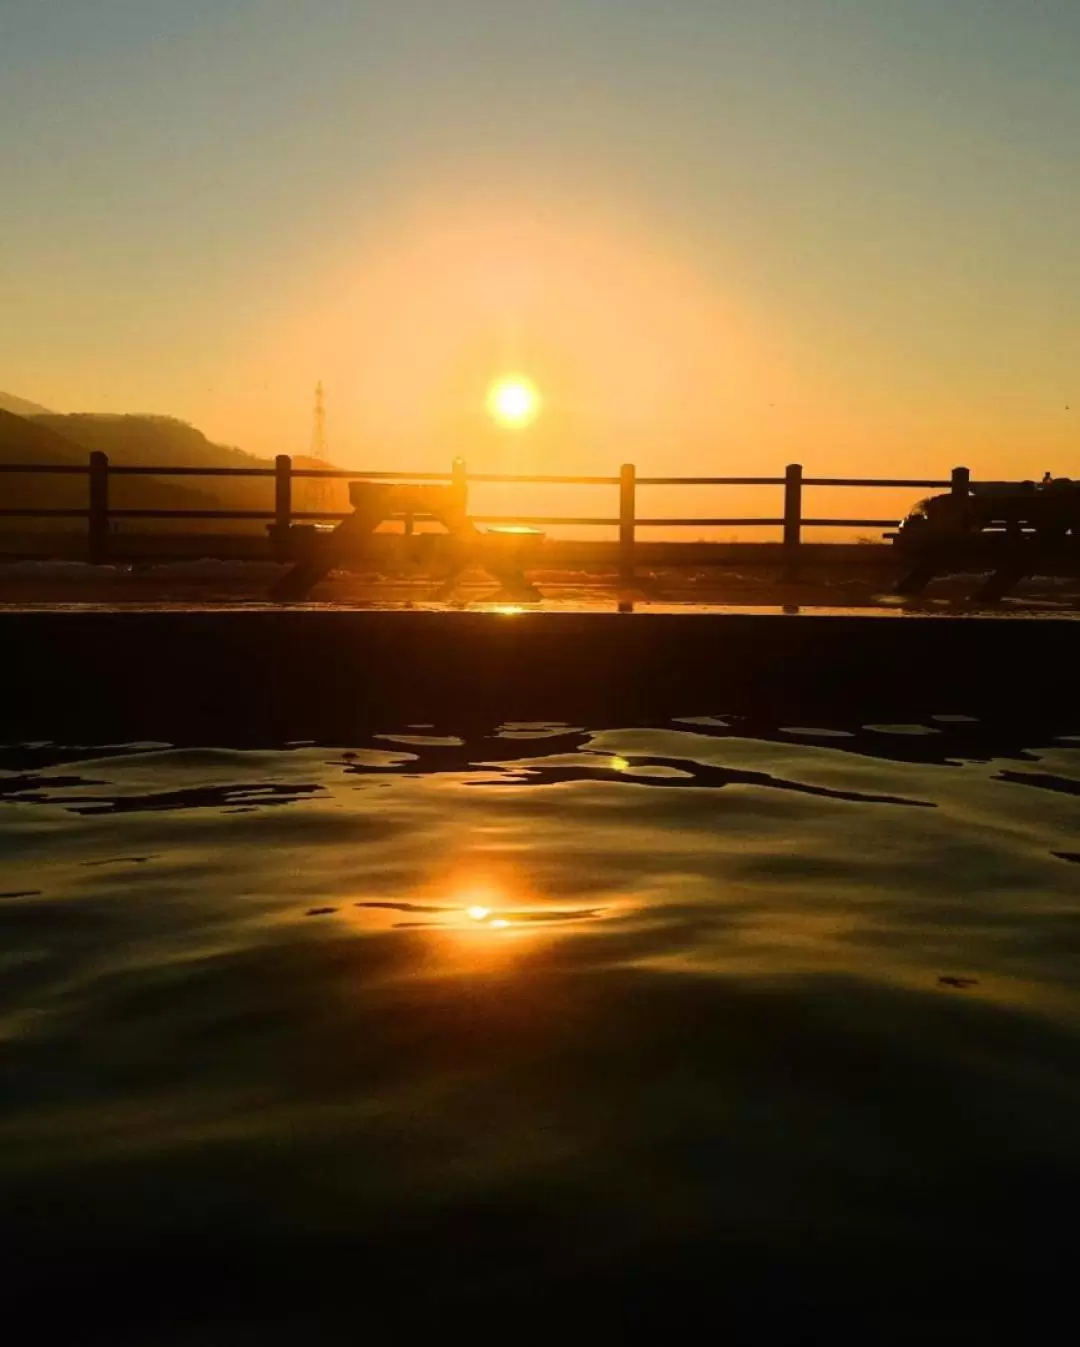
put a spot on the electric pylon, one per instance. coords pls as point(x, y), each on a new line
point(318, 488)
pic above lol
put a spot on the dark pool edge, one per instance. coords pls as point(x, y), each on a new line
point(313, 673)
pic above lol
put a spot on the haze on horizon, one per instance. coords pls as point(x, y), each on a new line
point(716, 235)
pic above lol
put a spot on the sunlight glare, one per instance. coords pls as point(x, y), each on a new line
point(513, 402)
point(478, 913)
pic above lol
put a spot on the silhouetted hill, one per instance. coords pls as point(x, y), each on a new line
point(20, 406)
point(35, 441)
point(147, 440)
point(163, 440)
point(144, 441)
point(26, 441)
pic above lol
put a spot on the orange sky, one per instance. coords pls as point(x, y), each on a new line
point(639, 355)
point(718, 236)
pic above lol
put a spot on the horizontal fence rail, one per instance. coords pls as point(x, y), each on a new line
point(100, 515)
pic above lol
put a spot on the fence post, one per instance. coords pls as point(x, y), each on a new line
point(459, 484)
point(97, 533)
point(627, 521)
point(961, 482)
point(792, 519)
point(282, 493)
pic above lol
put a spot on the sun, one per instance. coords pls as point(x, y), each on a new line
point(513, 401)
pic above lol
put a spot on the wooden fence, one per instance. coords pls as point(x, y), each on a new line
point(99, 515)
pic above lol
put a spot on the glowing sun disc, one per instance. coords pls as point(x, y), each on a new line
point(513, 402)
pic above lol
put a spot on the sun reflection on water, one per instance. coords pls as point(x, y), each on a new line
point(484, 906)
point(473, 922)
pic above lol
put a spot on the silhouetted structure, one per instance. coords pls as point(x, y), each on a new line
point(317, 492)
point(1010, 530)
point(316, 551)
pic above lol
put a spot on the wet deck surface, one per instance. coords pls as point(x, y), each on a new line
point(139, 597)
point(751, 588)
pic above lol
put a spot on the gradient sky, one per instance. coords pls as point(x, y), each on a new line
point(718, 234)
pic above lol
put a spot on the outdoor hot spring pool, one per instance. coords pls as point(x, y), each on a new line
point(368, 1033)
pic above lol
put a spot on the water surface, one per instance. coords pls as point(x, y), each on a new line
point(627, 1018)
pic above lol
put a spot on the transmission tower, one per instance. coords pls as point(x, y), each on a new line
point(318, 492)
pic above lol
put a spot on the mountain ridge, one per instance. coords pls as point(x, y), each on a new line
point(142, 441)
point(21, 406)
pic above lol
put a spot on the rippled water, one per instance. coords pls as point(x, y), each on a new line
point(781, 1018)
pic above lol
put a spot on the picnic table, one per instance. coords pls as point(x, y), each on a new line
point(315, 550)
